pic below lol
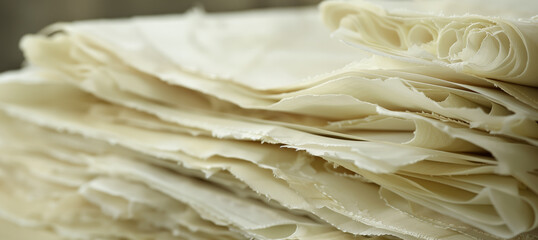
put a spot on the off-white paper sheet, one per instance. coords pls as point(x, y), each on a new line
point(260, 125)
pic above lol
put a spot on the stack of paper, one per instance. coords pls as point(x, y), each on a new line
point(260, 125)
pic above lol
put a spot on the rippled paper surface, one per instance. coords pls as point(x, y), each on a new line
point(126, 129)
point(487, 46)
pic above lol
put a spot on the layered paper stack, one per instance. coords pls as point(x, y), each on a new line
point(260, 125)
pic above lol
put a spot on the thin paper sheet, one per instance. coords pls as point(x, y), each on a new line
point(127, 129)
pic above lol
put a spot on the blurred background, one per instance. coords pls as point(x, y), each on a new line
point(19, 17)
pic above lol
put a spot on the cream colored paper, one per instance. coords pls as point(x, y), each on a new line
point(492, 47)
point(297, 137)
point(384, 181)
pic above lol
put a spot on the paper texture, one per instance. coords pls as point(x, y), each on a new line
point(126, 129)
point(486, 46)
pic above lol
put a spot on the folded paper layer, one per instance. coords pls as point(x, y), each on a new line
point(258, 125)
point(491, 47)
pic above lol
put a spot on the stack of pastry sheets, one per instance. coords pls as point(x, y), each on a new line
point(264, 125)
